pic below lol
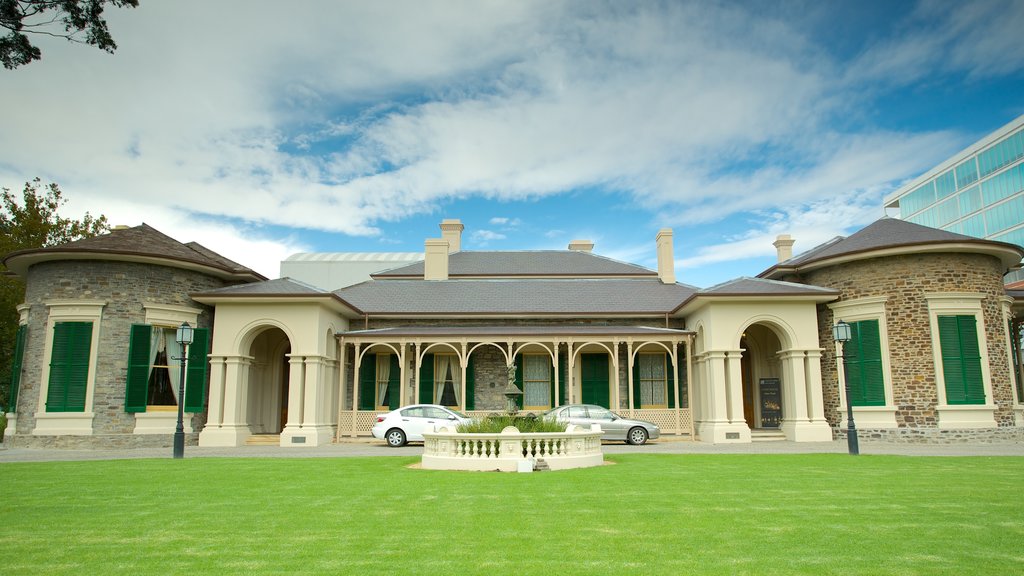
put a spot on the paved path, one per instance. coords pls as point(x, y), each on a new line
point(377, 448)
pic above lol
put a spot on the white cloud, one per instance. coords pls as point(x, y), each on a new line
point(484, 236)
point(341, 117)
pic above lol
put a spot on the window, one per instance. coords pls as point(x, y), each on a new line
point(652, 380)
point(961, 360)
point(536, 381)
point(863, 364)
point(69, 367)
point(447, 380)
point(17, 360)
point(380, 380)
point(154, 370)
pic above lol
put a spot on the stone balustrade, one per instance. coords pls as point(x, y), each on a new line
point(512, 450)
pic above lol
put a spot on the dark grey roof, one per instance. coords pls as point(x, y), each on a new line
point(139, 241)
point(278, 287)
point(525, 263)
point(514, 331)
point(760, 287)
point(884, 233)
point(499, 297)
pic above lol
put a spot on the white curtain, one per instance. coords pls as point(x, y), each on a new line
point(383, 374)
point(652, 379)
point(447, 375)
point(156, 344)
point(440, 376)
point(536, 380)
point(173, 365)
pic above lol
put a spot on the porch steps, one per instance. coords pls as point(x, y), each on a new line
point(541, 466)
point(767, 435)
point(263, 440)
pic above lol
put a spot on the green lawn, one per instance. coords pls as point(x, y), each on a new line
point(647, 514)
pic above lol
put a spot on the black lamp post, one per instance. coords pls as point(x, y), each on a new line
point(842, 333)
point(183, 337)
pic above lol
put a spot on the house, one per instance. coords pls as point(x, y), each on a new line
point(932, 357)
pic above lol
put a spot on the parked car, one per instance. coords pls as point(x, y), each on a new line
point(407, 424)
point(613, 426)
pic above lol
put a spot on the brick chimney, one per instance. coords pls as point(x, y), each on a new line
point(581, 245)
point(666, 258)
point(451, 230)
point(784, 246)
point(435, 261)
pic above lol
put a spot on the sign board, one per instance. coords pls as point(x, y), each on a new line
point(771, 402)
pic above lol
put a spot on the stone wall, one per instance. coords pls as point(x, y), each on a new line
point(124, 286)
point(904, 280)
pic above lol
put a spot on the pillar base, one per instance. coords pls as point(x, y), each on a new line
point(224, 435)
point(806, 431)
point(724, 432)
point(307, 436)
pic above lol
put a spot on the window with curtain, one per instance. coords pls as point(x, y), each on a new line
point(383, 377)
point(536, 381)
point(653, 380)
point(154, 371)
point(447, 380)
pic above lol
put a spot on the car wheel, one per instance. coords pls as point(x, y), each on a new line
point(395, 438)
point(636, 436)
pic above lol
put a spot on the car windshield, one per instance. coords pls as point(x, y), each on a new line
point(602, 414)
point(457, 413)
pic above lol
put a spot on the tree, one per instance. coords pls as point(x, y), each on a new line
point(68, 19)
point(34, 223)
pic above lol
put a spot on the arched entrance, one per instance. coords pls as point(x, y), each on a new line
point(269, 382)
point(761, 370)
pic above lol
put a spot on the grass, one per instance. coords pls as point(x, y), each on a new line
point(647, 514)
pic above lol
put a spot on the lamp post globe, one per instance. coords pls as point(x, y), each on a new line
point(183, 336)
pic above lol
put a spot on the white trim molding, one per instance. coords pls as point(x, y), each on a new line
point(966, 415)
point(69, 423)
point(867, 417)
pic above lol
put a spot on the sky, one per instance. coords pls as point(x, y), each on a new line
point(261, 129)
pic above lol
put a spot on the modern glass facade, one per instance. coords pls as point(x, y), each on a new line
point(979, 192)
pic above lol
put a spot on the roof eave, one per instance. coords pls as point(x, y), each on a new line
point(20, 261)
point(331, 301)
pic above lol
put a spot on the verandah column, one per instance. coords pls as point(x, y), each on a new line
point(234, 427)
point(570, 377)
point(675, 372)
point(356, 357)
point(463, 361)
point(629, 375)
point(342, 381)
point(554, 358)
point(215, 410)
point(735, 388)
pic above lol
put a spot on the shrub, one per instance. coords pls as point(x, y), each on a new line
point(528, 423)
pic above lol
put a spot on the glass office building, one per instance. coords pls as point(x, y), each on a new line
point(979, 192)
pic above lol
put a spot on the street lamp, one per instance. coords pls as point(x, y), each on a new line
point(183, 337)
point(842, 333)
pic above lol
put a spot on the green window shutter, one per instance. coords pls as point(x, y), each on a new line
point(863, 362)
point(470, 384)
point(368, 382)
point(961, 360)
point(671, 371)
point(195, 374)
point(519, 381)
point(427, 379)
point(636, 383)
point(394, 382)
point(137, 384)
point(69, 367)
point(551, 380)
point(17, 362)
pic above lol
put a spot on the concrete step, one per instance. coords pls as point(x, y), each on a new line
point(263, 440)
point(767, 435)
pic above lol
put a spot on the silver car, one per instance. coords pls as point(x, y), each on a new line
point(615, 427)
point(407, 424)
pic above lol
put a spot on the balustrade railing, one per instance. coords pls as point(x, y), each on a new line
point(508, 451)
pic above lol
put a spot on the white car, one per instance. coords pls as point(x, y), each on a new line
point(407, 424)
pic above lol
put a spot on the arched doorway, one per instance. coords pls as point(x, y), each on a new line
point(762, 377)
point(269, 381)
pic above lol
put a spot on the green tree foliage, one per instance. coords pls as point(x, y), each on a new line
point(79, 21)
point(34, 223)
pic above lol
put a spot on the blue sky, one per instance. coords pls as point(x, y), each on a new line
point(260, 129)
